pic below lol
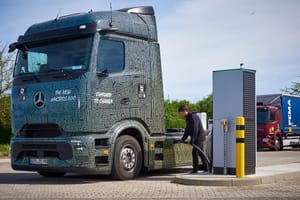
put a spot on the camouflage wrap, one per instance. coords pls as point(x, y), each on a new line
point(74, 123)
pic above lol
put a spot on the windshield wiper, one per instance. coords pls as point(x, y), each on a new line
point(62, 70)
point(28, 77)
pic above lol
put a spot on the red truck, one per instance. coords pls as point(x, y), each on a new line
point(278, 121)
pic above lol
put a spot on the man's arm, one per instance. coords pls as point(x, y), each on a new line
point(185, 135)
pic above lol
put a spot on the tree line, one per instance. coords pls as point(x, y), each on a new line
point(5, 122)
point(173, 120)
point(6, 70)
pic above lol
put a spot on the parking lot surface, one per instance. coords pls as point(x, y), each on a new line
point(153, 185)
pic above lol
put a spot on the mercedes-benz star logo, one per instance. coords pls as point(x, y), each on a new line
point(39, 99)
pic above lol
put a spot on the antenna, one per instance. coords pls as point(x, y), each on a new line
point(56, 18)
point(110, 23)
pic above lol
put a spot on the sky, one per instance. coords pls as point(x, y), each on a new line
point(196, 37)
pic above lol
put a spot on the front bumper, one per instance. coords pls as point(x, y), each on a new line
point(77, 154)
point(267, 142)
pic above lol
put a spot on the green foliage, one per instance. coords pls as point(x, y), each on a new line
point(293, 90)
point(5, 122)
point(6, 71)
point(173, 119)
point(4, 150)
point(206, 105)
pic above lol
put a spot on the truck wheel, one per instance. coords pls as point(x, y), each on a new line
point(127, 161)
point(278, 144)
point(281, 143)
point(51, 174)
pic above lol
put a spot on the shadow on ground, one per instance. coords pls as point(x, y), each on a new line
point(33, 178)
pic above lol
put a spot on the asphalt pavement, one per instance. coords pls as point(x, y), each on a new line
point(154, 185)
point(272, 167)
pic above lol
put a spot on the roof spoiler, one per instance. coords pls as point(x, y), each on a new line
point(145, 10)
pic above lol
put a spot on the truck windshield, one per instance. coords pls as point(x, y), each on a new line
point(72, 54)
point(262, 116)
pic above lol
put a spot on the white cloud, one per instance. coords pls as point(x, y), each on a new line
point(202, 36)
point(196, 37)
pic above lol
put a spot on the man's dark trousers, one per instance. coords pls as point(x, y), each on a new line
point(197, 153)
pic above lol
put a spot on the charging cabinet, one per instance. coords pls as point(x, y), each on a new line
point(233, 95)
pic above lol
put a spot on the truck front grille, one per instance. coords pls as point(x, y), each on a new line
point(41, 130)
point(60, 150)
point(38, 146)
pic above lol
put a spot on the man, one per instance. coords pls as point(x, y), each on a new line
point(195, 130)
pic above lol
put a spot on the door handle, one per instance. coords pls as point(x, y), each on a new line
point(125, 101)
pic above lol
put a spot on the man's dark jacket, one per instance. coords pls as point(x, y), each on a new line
point(194, 129)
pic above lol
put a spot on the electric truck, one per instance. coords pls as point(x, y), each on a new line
point(87, 97)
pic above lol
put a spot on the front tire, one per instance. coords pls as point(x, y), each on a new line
point(51, 174)
point(127, 161)
point(278, 144)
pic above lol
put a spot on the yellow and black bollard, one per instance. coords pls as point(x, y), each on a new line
point(240, 147)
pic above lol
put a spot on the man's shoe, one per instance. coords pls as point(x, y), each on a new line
point(205, 169)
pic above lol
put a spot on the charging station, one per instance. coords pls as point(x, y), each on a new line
point(203, 119)
point(233, 95)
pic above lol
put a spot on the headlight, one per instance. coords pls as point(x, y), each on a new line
point(78, 145)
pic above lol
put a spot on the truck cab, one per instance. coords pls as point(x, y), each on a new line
point(87, 97)
point(278, 122)
point(269, 134)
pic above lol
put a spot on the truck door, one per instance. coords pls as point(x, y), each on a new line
point(109, 69)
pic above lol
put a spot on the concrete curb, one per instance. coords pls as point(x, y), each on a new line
point(212, 180)
point(4, 160)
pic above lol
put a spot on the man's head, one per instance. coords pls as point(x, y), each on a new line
point(183, 111)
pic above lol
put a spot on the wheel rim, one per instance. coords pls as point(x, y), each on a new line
point(128, 157)
point(277, 143)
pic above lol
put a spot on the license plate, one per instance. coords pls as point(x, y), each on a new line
point(266, 140)
point(38, 161)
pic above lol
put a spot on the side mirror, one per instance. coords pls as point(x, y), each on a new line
point(12, 47)
point(104, 73)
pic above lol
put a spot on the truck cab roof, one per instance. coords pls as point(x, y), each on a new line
point(137, 22)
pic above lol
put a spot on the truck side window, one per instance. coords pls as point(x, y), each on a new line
point(272, 116)
point(110, 56)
